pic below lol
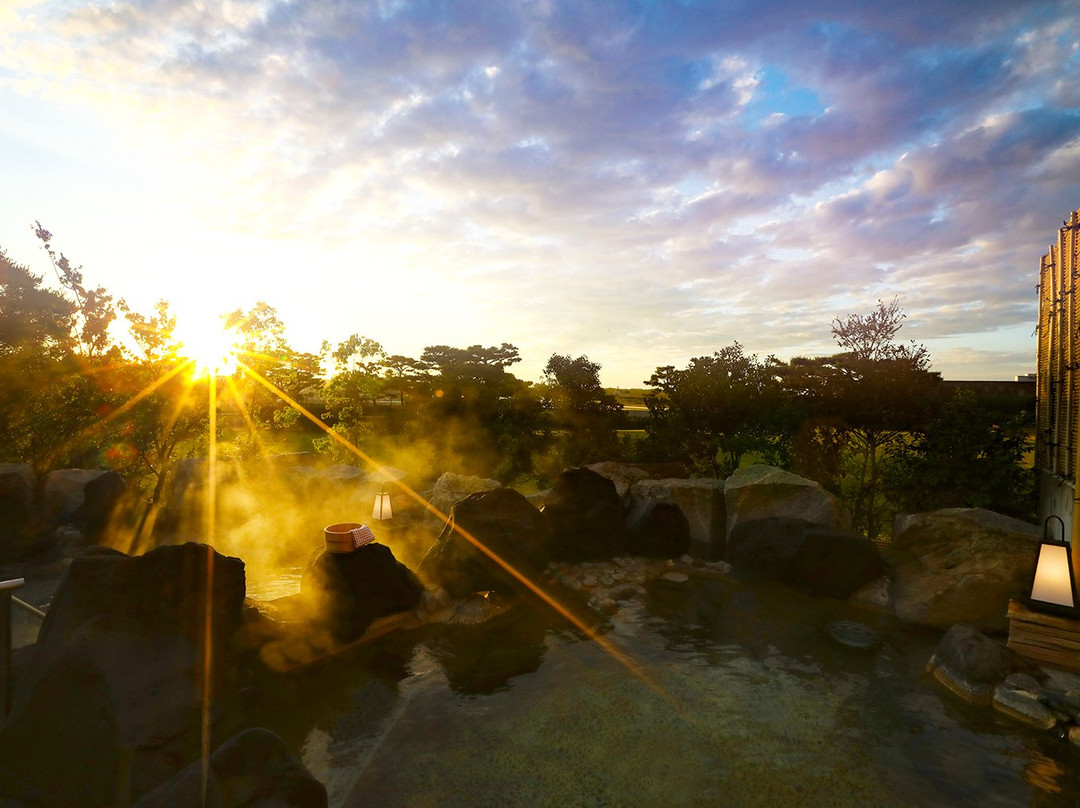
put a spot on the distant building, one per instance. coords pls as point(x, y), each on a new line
point(1058, 383)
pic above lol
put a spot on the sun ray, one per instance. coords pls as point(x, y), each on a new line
point(137, 534)
point(238, 400)
point(124, 408)
point(208, 647)
point(610, 648)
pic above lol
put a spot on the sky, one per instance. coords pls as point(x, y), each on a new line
point(637, 182)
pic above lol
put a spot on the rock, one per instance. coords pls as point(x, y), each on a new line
point(623, 476)
point(832, 562)
point(65, 492)
point(820, 561)
point(504, 522)
point(586, 517)
point(657, 530)
point(874, 594)
point(254, 769)
point(701, 502)
point(350, 590)
point(1023, 707)
point(960, 565)
point(1022, 681)
point(970, 664)
point(16, 510)
point(452, 488)
point(118, 673)
point(1074, 735)
point(760, 492)
point(538, 499)
point(675, 577)
point(100, 497)
point(294, 459)
point(765, 548)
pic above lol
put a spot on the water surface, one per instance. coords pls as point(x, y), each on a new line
point(737, 697)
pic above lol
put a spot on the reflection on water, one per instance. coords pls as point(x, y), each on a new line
point(756, 706)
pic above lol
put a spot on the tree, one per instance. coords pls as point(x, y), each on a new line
point(883, 390)
point(581, 409)
point(265, 350)
point(716, 409)
point(95, 310)
point(31, 316)
point(968, 457)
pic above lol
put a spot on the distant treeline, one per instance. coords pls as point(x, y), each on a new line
point(872, 422)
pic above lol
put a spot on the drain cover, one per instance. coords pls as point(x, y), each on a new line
point(853, 635)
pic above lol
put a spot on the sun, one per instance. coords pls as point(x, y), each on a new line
point(211, 347)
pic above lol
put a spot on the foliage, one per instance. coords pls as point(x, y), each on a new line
point(966, 458)
point(94, 307)
point(866, 422)
point(583, 414)
point(717, 409)
point(880, 390)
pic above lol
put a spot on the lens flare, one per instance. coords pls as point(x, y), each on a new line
point(209, 346)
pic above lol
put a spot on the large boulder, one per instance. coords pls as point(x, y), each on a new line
point(65, 494)
point(960, 565)
point(657, 530)
point(764, 492)
point(765, 548)
point(16, 508)
point(623, 476)
point(350, 590)
point(451, 488)
point(100, 497)
point(504, 523)
point(586, 517)
point(970, 664)
point(253, 769)
point(117, 678)
point(701, 501)
point(820, 561)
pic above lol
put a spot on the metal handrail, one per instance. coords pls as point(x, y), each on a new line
point(34, 610)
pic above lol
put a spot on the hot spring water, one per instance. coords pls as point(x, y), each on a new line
point(736, 697)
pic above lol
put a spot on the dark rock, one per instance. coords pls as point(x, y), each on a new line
point(766, 548)
point(100, 497)
point(970, 664)
point(16, 499)
point(350, 590)
point(502, 521)
point(960, 565)
point(834, 563)
point(701, 501)
point(657, 530)
point(586, 517)
point(20, 537)
point(254, 769)
point(118, 675)
point(821, 561)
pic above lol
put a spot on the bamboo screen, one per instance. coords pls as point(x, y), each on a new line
point(1058, 381)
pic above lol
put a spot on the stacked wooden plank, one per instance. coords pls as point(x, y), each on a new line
point(1043, 637)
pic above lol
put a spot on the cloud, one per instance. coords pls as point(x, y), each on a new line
point(588, 176)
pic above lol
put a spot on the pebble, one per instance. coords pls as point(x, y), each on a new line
point(675, 577)
point(1021, 706)
point(1022, 681)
